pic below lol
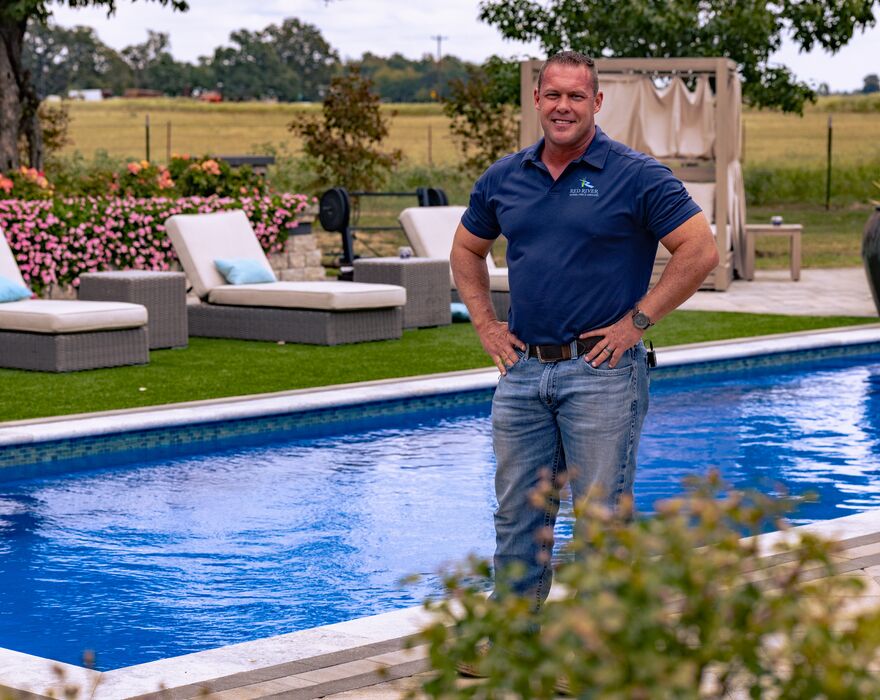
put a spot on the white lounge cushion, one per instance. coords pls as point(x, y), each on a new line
point(498, 281)
point(51, 316)
point(430, 231)
point(325, 296)
point(8, 265)
point(200, 239)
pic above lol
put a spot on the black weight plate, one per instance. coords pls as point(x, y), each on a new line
point(437, 197)
point(335, 209)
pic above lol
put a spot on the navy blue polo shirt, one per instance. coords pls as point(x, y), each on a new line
point(580, 250)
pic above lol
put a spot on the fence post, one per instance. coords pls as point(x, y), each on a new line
point(168, 142)
point(147, 135)
point(828, 172)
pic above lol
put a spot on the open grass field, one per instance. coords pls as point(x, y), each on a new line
point(118, 127)
point(421, 130)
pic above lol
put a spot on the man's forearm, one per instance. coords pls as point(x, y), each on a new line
point(683, 275)
point(471, 275)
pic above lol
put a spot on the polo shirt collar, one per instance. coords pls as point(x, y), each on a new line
point(595, 155)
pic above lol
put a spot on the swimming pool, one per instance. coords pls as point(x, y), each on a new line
point(176, 555)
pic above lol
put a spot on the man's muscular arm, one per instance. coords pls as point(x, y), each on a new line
point(694, 256)
point(471, 275)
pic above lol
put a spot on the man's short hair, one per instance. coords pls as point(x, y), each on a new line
point(572, 58)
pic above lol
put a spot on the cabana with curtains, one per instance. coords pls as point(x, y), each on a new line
point(686, 112)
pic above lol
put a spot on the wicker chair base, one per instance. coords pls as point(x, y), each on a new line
point(500, 302)
point(295, 325)
point(73, 351)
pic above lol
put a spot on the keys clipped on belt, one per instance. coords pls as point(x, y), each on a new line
point(652, 355)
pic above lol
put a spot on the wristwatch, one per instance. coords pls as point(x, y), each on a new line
point(641, 319)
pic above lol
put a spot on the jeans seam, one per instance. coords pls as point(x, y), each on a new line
point(539, 589)
point(633, 413)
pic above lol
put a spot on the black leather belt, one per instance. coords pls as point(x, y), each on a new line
point(557, 353)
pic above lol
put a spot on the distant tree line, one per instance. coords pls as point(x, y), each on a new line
point(287, 62)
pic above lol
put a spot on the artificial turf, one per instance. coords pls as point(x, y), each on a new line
point(211, 368)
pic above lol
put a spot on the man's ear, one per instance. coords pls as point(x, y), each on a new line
point(597, 105)
point(537, 97)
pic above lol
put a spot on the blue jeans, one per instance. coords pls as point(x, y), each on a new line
point(553, 422)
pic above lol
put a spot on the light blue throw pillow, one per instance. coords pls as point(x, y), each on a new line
point(13, 291)
point(244, 271)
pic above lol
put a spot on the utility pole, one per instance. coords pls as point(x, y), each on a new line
point(439, 39)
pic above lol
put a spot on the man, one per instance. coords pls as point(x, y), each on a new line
point(583, 216)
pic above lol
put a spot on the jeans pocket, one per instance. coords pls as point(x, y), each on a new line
point(624, 366)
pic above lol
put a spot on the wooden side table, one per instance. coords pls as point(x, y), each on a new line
point(792, 231)
point(163, 293)
point(426, 281)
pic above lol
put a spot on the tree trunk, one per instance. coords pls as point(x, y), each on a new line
point(18, 101)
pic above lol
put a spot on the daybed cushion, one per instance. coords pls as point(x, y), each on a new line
point(326, 296)
point(703, 193)
point(200, 239)
point(50, 316)
point(245, 271)
point(11, 290)
point(8, 265)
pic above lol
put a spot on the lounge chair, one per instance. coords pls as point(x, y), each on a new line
point(430, 231)
point(319, 313)
point(64, 336)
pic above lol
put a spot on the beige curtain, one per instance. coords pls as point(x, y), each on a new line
point(667, 122)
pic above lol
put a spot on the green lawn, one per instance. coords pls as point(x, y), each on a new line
point(219, 368)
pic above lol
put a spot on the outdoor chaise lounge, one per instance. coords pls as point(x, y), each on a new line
point(430, 231)
point(63, 336)
point(319, 313)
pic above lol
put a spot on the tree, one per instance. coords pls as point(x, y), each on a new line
point(748, 32)
point(60, 59)
point(492, 89)
point(288, 62)
point(872, 83)
point(344, 143)
point(19, 103)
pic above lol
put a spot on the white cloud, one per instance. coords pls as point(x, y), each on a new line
point(383, 27)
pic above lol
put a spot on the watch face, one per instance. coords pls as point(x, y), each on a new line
point(641, 321)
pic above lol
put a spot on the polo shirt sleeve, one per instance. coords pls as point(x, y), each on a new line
point(665, 201)
point(479, 218)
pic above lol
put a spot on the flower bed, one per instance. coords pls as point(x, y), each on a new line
point(56, 240)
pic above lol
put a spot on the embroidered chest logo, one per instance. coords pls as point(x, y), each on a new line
point(586, 189)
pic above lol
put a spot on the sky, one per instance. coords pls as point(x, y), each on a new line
point(409, 27)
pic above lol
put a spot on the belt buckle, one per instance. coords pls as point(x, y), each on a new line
point(546, 360)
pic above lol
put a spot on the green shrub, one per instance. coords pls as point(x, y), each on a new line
point(675, 605)
point(849, 184)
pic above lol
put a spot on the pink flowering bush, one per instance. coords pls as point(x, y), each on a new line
point(55, 241)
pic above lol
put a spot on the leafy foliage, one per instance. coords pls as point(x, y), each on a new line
point(672, 606)
point(747, 32)
point(483, 112)
point(344, 144)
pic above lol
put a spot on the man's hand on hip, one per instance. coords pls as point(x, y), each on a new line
point(500, 344)
point(618, 338)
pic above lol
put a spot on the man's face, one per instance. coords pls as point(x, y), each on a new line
point(567, 106)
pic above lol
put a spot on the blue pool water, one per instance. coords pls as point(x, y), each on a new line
point(175, 556)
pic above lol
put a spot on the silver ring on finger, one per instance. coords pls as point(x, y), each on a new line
point(610, 351)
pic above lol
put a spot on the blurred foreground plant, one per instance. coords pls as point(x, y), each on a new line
point(676, 605)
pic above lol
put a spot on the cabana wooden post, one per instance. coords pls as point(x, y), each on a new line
point(720, 166)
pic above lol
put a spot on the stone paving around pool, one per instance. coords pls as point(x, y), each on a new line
point(363, 659)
